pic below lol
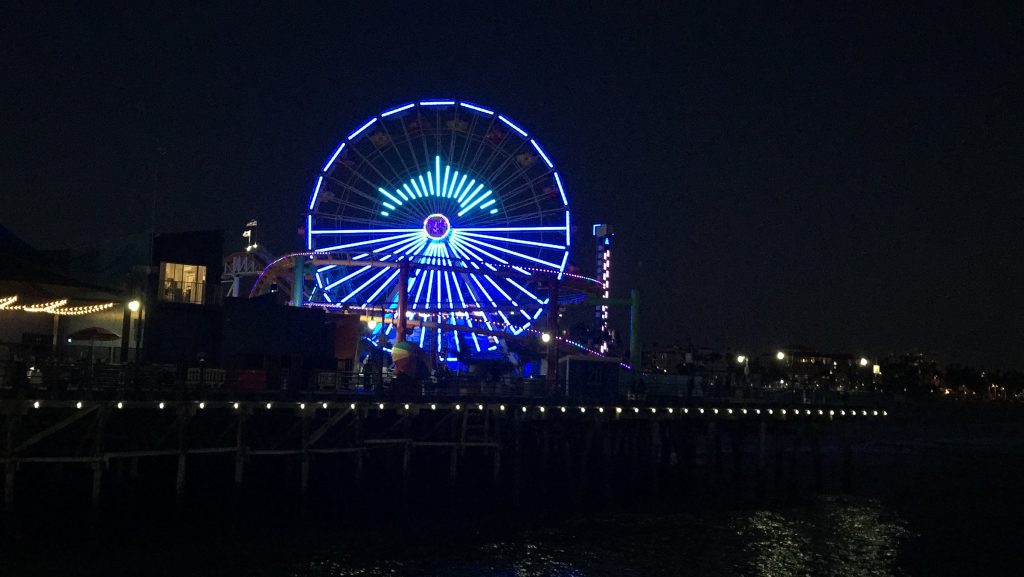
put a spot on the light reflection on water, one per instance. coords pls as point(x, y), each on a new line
point(828, 537)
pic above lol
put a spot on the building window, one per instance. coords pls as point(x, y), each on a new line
point(182, 283)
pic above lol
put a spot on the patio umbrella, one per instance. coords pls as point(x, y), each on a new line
point(93, 334)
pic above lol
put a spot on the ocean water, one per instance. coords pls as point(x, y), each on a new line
point(914, 510)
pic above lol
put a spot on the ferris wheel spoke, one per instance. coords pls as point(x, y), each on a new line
point(524, 290)
point(514, 240)
point(366, 231)
point(476, 243)
point(368, 242)
point(374, 167)
point(402, 244)
point(349, 188)
point(356, 291)
point(387, 282)
point(463, 242)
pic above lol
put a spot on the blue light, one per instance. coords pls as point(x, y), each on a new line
point(494, 211)
point(513, 229)
point(561, 190)
point(412, 194)
point(444, 189)
point(309, 232)
point(514, 127)
point(477, 108)
point(397, 110)
point(437, 175)
point(423, 185)
point(512, 240)
point(382, 272)
point(486, 204)
point(541, 153)
point(416, 187)
point(389, 195)
point(383, 286)
point(437, 102)
point(568, 240)
point(362, 128)
point(467, 194)
point(474, 203)
point(316, 192)
point(385, 213)
point(458, 188)
point(333, 158)
point(430, 285)
point(370, 231)
point(522, 288)
point(365, 242)
point(399, 192)
point(476, 242)
point(430, 184)
point(347, 277)
point(389, 205)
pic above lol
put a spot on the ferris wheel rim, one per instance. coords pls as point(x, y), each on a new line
point(487, 239)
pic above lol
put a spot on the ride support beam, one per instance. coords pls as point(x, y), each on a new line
point(635, 354)
point(553, 331)
point(403, 298)
point(299, 283)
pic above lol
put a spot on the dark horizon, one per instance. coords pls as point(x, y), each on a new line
point(844, 177)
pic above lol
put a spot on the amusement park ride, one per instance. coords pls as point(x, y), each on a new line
point(442, 223)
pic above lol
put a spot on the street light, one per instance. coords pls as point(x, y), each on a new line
point(371, 324)
point(545, 338)
point(134, 305)
point(780, 355)
point(863, 362)
point(741, 359)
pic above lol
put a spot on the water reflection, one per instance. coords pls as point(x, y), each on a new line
point(831, 538)
point(827, 537)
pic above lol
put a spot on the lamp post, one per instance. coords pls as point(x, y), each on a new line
point(744, 361)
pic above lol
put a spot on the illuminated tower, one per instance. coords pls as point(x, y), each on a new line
point(603, 241)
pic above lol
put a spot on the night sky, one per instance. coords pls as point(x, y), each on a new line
point(847, 176)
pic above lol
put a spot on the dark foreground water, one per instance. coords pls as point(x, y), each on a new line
point(916, 509)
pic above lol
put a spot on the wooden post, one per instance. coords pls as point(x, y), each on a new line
point(819, 478)
point(98, 464)
point(762, 437)
point(179, 483)
point(357, 425)
point(11, 466)
point(496, 456)
point(240, 448)
point(655, 453)
point(553, 331)
point(304, 471)
point(453, 462)
point(847, 467)
point(9, 470)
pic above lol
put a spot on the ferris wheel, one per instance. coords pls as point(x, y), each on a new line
point(458, 189)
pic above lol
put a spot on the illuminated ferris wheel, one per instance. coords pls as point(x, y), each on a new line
point(458, 189)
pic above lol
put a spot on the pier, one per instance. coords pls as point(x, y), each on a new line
point(496, 441)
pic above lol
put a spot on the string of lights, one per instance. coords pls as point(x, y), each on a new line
point(830, 412)
point(57, 307)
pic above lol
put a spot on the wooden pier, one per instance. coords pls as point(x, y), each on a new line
point(500, 440)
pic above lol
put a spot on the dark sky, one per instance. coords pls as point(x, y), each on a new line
point(846, 175)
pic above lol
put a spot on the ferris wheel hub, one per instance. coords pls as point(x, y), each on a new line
point(437, 226)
